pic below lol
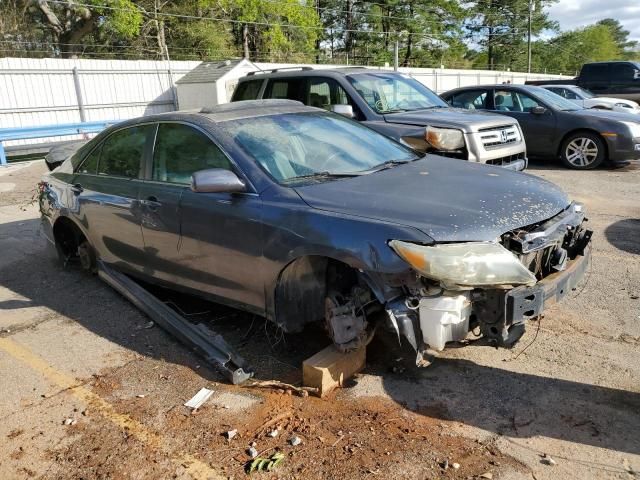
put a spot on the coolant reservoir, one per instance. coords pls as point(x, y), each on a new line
point(444, 319)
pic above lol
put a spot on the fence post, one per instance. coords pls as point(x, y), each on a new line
point(80, 100)
point(3, 158)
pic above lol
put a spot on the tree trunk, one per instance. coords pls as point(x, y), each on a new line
point(348, 39)
point(407, 53)
point(245, 40)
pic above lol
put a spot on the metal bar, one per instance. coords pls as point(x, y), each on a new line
point(62, 108)
point(3, 157)
point(76, 84)
point(76, 127)
point(201, 338)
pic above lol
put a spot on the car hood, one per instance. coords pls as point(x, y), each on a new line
point(449, 200)
point(466, 120)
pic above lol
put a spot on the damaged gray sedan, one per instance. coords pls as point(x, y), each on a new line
point(300, 215)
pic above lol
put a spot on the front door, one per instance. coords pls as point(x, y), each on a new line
point(200, 241)
point(539, 128)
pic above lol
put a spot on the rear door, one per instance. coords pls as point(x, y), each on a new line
point(107, 183)
point(200, 241)
point(539, 129)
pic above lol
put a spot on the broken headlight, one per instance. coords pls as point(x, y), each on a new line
point(465, 265)
point(444, 138)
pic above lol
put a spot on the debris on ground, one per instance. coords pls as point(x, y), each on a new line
point(140, 395)
point(273, 433)
point(487, 475)
point(295, 441)
point(146, 326)
point(547, 460)
point(265, 464)
point(199, 398)
point(231, 433)
point(70, 421)
point(252, 452)
point(286, 387)
point(455, 466)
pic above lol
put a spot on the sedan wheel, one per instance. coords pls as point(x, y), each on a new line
point(583, 151)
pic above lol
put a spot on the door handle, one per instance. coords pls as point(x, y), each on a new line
point(77, 188)
point(151, 203)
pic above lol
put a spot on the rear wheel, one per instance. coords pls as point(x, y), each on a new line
point(583, 151)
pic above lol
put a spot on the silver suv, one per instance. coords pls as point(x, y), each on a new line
point(398, 106)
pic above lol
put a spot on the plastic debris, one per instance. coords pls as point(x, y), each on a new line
point(295, 441)
point(273, 433)
point(265, 464)
point(547, 460)
point(231, 433)
point(252, 452)
point(199, 398)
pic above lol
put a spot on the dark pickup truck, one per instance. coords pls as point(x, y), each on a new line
point(617, 79)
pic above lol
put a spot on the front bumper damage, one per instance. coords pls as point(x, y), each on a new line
point(557, 251)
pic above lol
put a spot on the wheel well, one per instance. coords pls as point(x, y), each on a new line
point(67, 236)
point(584, 130)
point(302, 287)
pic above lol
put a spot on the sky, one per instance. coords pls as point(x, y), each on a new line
point(579, 13)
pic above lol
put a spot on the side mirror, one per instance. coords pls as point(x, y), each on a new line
point(538, 110)
point(217, 180)
point(344, 110)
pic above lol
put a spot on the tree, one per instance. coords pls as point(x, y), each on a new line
point(274, 30)
point(620, 36)
point(500, 28)
point(569, 51)
point(68, 24)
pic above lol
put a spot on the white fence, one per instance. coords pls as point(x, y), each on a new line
point(36, 92)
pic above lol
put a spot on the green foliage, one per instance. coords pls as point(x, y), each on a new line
point(567, 52)
point(429, 33)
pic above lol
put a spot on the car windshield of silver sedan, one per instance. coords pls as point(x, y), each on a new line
point(583, 92)
point(389, 93)
point(556, 101)
point(303, 147)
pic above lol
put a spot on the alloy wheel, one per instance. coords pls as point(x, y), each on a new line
point(581, 152)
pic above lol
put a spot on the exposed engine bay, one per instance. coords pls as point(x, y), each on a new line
point(428, 313)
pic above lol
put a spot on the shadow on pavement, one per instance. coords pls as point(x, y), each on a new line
point(625, 235)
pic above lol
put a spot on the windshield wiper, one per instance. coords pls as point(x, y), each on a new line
point(388, 165)
point(325, 174)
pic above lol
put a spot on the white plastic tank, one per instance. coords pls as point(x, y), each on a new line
point(444, 318)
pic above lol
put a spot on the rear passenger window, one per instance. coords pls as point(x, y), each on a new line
point(247, 90)
point(182, 150)
point(472, 100)
point(624, 73)
point(90, 163)
point(121, 153)
point(285, 89)
point(324, 92)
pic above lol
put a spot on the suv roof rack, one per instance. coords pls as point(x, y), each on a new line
point(273, 70)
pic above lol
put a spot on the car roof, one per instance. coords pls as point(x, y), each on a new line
point(557, 85)
point(501, 86)
point(311, 72)
point(226, 112)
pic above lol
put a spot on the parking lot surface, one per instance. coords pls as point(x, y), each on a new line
point(90, 389)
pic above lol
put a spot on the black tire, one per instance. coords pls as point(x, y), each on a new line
point(583, 151)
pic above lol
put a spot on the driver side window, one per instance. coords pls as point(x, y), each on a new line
point(512, 101)
point(182, 150)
